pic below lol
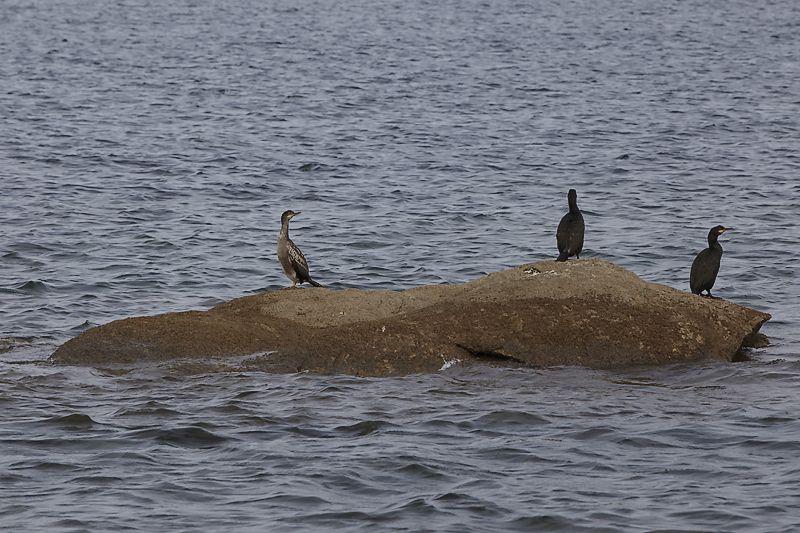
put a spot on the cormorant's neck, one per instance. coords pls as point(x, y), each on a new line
point(573, 206)
point(285, 228)
point(713, 243)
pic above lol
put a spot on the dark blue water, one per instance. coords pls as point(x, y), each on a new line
point(148, 150)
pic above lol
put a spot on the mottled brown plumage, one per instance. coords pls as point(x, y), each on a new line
point(292, 260)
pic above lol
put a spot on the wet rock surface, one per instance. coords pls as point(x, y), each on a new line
point(582, 312)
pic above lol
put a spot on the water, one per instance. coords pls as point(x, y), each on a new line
point(149, 149)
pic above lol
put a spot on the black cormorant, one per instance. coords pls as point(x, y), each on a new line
point(569, 235)
point(706, 265)
point(290, 256)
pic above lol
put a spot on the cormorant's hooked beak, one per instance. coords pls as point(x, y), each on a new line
point(723, 230)
point(298, 212)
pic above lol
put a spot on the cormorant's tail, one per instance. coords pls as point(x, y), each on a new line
point(314, 283)
point(562, 256)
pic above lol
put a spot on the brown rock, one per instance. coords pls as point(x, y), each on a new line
point(582, 312)
point(9, 343)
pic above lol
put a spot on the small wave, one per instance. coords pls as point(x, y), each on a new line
point(83, 327)
point(188, 437)
point(447, 364)
point(417, 470)
point(314, 167)
point(591, 434)
point(362, 429)
point(73, 421)
point(506, 418)
point(97, 480)
point(33, 287)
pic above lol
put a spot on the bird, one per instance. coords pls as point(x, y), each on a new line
point(292, 260)
point(706, 265)
point(569, 235)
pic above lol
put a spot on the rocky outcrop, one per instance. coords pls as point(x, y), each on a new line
point(582, 312)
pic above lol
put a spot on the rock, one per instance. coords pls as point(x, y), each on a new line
point(582, 312)
point(9, 343)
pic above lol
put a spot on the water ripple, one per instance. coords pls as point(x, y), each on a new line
point(150, 148)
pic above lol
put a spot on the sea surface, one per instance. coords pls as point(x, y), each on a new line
point(149, 148)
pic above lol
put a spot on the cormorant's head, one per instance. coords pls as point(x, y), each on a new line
point(572, 198)
point(287, 215)
point(719, 230)
point(716, 231)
